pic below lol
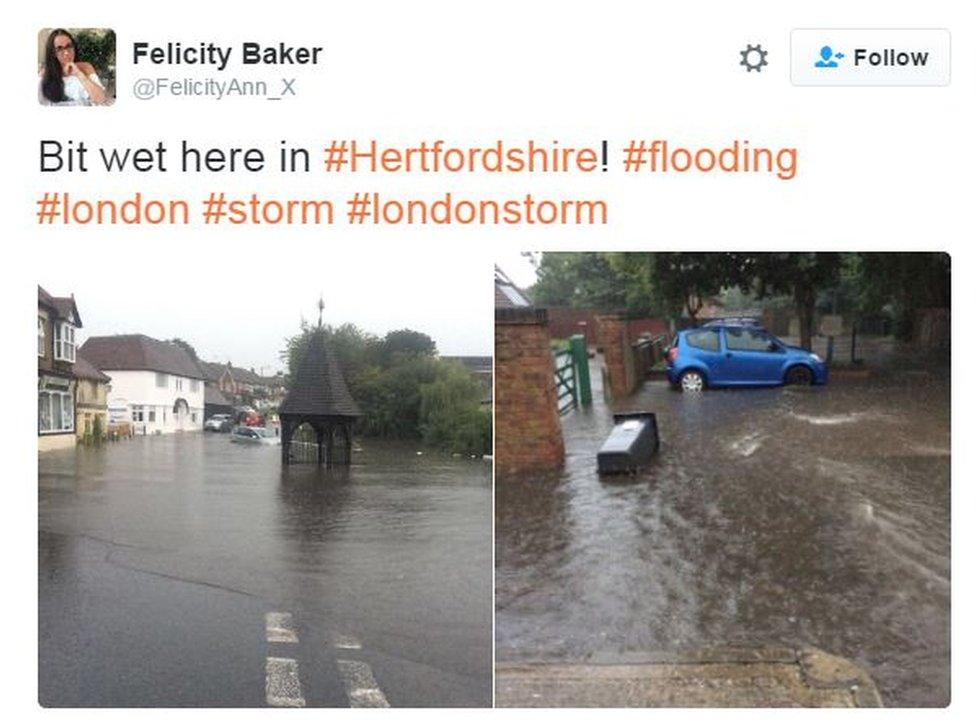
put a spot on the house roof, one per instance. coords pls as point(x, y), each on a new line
point(507, 294)
point(245, 376)
point(63, 307)
point(318, 387)
point(212, 370)
point(86, 371)
point(139, 352)
point(213, 396)
point(215, 370)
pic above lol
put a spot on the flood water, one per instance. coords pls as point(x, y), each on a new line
point(181, 543)
point(787, 516)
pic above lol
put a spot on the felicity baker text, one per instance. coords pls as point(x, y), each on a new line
point(252, 53)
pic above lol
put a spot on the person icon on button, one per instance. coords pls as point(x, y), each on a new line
point(827, 58)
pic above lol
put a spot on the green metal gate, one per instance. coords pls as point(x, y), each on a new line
point(572, 375)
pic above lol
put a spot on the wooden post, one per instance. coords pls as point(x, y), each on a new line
point(286, 432)
point(330, 446)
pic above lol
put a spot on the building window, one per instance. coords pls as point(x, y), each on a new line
point(64, 341)
point(161, 380)
point(179, 384)
point(152, 415)
point(194, 386)
point(55, 411)
point(193, 417)
point(41, 337)
point(138, 413)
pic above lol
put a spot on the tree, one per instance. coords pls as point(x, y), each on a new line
point(390, 396)
point(799, 275)
point(409, 342)
point(404, 390)
point(579, 280)
point(685, 281)
point(903, 282)
point(451, 415)
point(642, 283)
point(355, 349)
point(187, 347)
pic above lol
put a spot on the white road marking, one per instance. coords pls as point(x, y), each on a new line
point(279, 628)
point(282, 687)
point(361, 687)
point(347, 642)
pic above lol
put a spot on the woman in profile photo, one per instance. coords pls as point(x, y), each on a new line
point(66, 80)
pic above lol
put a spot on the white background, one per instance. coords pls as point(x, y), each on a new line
point(879, 169)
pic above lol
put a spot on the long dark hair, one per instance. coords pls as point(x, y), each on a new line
point(52, 84)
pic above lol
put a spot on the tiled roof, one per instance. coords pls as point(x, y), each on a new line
point(139, 352)
point(63, 307)
point(318, 387)
point(86, 371)
point(213, 396)
point(212, 370)
point(245, 376)
point(215, 370)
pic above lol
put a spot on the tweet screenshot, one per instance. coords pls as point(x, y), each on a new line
point(507, 356)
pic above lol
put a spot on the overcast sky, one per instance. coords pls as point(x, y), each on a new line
point(241, 307)
point(517, 266)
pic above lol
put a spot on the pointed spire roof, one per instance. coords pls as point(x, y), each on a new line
point(318, 387)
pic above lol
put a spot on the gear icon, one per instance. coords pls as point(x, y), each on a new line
point(754, 57)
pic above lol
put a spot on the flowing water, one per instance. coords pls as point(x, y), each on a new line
point(787, 516)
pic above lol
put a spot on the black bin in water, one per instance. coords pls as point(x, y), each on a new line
point(630, 445)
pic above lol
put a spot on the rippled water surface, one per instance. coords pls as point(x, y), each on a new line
point(789, 516)
point(395, 550)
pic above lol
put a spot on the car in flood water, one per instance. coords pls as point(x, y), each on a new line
point(219, 423)
point(740, 353)
point(254, 435)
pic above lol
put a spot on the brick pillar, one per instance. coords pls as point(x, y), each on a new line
point(528, 434)
point(617, 355)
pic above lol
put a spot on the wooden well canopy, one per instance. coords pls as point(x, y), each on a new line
point(318, 396)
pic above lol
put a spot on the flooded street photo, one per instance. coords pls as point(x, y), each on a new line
point(784, 517)
point(187, 570)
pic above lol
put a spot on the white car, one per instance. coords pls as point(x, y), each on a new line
point(254, 435)
point(219, 423)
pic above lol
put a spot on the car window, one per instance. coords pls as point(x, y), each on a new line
point(703, 339)
point(748, 339)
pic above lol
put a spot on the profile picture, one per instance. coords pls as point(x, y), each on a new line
point(76, 66)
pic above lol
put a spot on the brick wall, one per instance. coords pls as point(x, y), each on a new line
point(639, 326)
point(617, 355)
point(566, 322)
point(528, 434)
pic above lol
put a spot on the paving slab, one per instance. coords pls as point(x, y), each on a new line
point(716, 677)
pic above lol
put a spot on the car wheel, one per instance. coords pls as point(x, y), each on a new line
point(692, 381)
point(799, 375)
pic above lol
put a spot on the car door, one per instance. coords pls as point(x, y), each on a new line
point(705, 348)
point(752, 356)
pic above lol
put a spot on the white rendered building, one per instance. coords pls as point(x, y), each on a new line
point(157, 382)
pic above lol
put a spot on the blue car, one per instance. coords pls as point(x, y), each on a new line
point(722, 354)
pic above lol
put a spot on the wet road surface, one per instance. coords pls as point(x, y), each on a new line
point(786, 517)
point(185, 570)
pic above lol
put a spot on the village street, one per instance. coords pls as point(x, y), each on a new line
point(184, 570)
